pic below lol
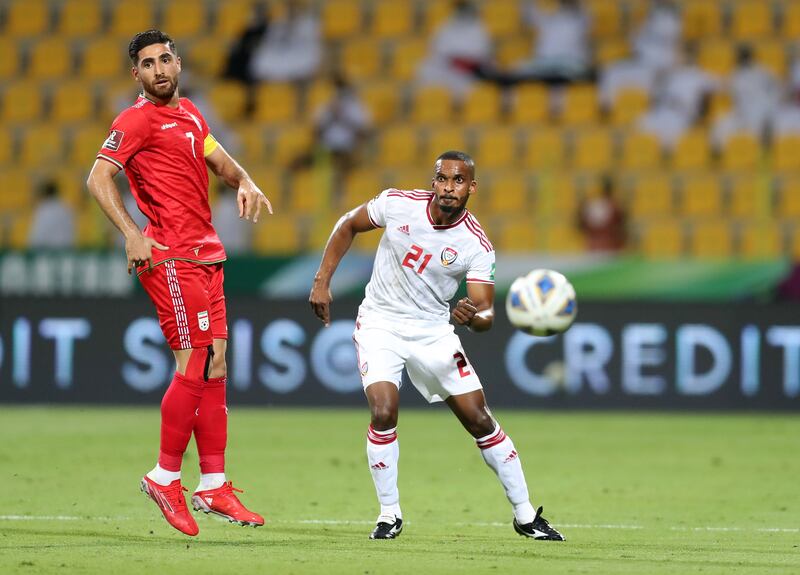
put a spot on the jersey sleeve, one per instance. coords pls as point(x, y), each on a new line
point(376, 209)
point(481, 268)
point(129, 133)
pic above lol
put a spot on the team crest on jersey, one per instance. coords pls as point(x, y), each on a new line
point(202, 320)
point(114, 140)
point(448, 256)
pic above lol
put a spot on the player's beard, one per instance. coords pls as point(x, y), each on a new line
point(163, 92)
point(453, 208)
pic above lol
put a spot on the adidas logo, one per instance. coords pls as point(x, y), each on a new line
point(380, 466)
point(404, 229)
point(511, 456)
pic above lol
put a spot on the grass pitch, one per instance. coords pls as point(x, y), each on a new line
point(633, 493)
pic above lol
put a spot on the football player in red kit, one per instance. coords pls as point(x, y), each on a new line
point(164, 145)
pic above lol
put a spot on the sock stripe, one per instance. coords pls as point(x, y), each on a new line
point(494, 439)
point(381, 437)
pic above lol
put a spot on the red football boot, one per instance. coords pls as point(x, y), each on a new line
point(172, 503)
point(222, 501)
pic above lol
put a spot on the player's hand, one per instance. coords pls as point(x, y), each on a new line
point(320, 300)
point(250, 199)
point(464, 311)
point(139, 250)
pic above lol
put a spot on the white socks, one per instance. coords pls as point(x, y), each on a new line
point(210, 481)
point(498, 452)
point(383, 453)
point(162, 476)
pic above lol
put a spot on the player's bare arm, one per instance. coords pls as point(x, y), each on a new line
point(138, 247)
point(353, 222)
point(476, 311)
point(250, 198)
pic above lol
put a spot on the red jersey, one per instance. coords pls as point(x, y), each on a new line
point(162, 151)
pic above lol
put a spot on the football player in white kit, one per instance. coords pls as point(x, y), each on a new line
point(430, 243)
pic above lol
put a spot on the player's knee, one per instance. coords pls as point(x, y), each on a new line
point(384, 417)
point(482, 425)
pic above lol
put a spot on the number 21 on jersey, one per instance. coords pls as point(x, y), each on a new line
point(412, 259)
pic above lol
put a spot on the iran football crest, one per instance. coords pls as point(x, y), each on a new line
point(202, 320)
point(448, 256)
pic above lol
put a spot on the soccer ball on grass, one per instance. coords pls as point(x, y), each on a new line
point(541, 303)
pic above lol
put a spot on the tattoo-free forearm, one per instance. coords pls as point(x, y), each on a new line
point(106, 193)
point(338, 243)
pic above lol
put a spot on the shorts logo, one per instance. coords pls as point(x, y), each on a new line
point(114, 140)
point(364, 368)
point(448, 256)
point(202, 320)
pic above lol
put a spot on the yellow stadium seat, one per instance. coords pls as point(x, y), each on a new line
point(772, 55)
point(649, 196)
point(341, 18)
point(365, 243)
point(308, 193)
point(794, 243)
point(406, 55)
point(383, 100)
point(42, 145)
point(128, 17)
point(556, 195)
point(392, 19)
point(85, 143)
point(398, 146)
point(51, 58)
point(360, 185)
point(482, 105)
point(750, 196)
point(362, 58)
point(277, 235)
point(640, 152)
point(72, 101)
point(104, 58)
point(785, 156)
point(442, 139)
point(662, 239)
point(562, 237)
point(291, 141)
point(17, 190)
point(628, 106)
point(505, 194)
point(519, 235)
point(717, 57)
point(692, 151)
point(22, 102)
point(720, 104)
point(183, 18)
point(701, 195)
point(593, 149)
point(80, 18)
point(7, 145)
point(92, 227)
point(510, 50)
point(413, 179)
point(205, 57)
point(116, 96)
point(612, 50)
point(788, 206)
point(20, 230)
point(27, 18)
point(496, 147)
point(751, 19)
point(531, 104)
point(741, 152)
point(9, 63)
point(71, 182)
point(270, 181)
point(580, 105)
point(791, 20)
point(228, 99)
point(760, 241)
point(432, 105)
point(275, 103)
point(606, 19)
point(434, 13)
point(701, 19)
point(252, 143)
point(544, 148)
point(711, 239)
point(317, 94)
point(230, 19)
point(501, 17)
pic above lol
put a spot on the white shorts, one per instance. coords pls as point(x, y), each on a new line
point(434, 359)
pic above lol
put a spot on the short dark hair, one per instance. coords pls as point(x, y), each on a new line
point(148, 38)
point(461, 157)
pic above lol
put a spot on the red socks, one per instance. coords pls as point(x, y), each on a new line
point(211, 426)
point(177, 419)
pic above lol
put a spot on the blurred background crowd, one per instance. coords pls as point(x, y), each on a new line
point(665, 128)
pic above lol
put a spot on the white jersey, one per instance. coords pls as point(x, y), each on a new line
point(419, 265)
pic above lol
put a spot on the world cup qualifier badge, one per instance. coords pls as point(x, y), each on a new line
point(114, 140)
point(202, 320)
point(448, 256)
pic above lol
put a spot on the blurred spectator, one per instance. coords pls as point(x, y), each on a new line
point(656, 43)
point(755, 93)
point(231, 229)
point(562, 43)
point(291, 49)
point(602, 220)
point(459, 47)
point(666, 120)
point(237, 65)
point(625, 74)
point(688, 87)
point(53, 225)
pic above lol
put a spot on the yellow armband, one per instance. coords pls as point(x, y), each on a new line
point(209, 145)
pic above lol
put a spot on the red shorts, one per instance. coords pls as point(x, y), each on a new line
point(189, 301)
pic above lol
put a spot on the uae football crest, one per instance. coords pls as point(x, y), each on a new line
point(448, 256)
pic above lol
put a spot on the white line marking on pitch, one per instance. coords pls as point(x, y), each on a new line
point(362, 522)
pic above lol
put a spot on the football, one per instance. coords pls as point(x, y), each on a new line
point(541, 303)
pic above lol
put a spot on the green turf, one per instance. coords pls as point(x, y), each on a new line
point(632, 493)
